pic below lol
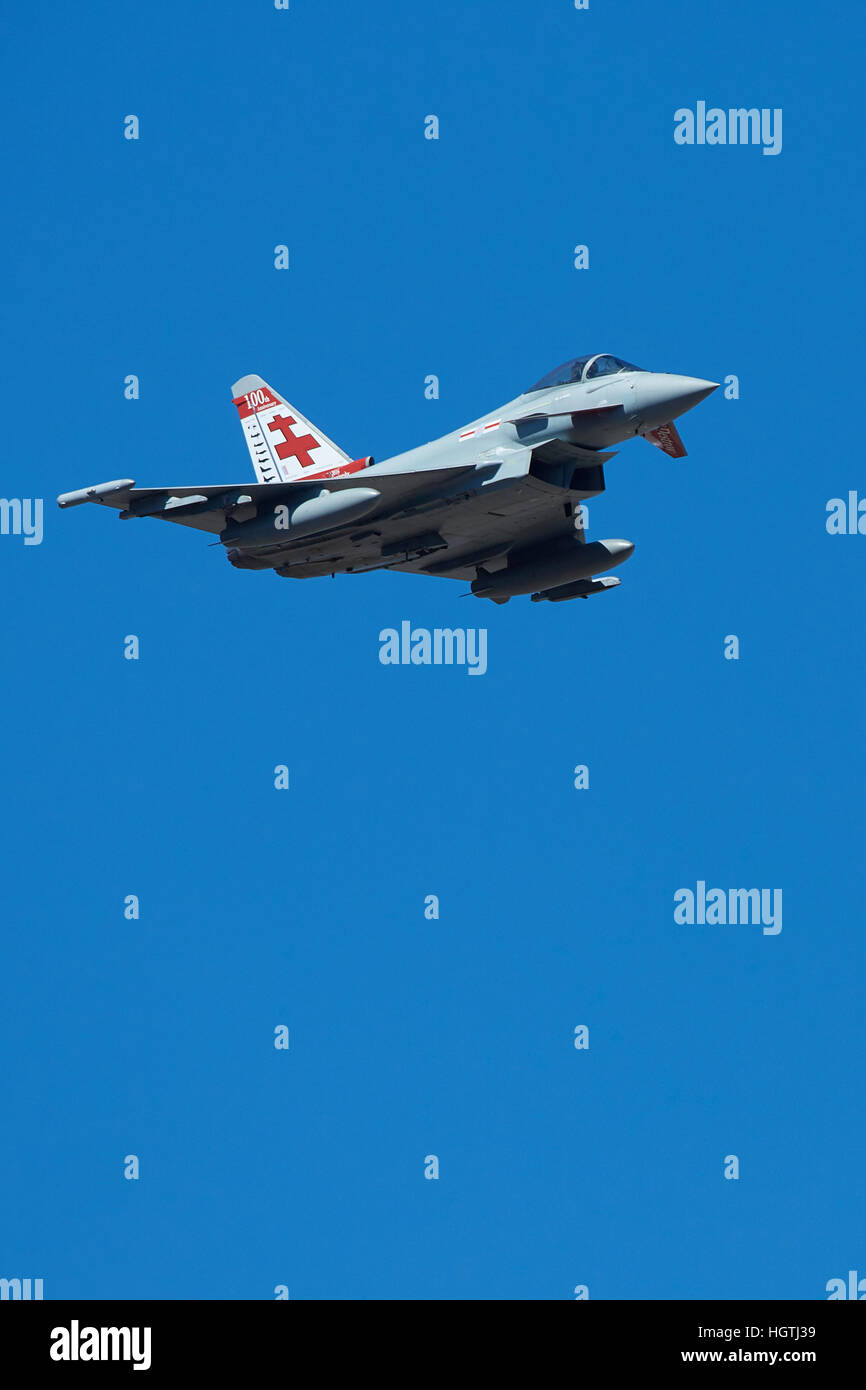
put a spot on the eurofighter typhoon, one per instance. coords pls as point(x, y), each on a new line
point(496, 504)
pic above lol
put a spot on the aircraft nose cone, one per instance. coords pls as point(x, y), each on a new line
point(662, 396)
point(690, 390)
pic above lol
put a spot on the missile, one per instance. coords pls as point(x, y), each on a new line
point(581, 588)
point(95, 493)
point(555, 569)
point(287, 521)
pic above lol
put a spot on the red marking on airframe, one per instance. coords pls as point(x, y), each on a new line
point(294, 445)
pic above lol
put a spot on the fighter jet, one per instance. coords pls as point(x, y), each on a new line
point(496, 503)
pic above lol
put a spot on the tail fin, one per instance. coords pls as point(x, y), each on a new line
point(282, 443)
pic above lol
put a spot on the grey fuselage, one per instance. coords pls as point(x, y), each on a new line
point(487, 494)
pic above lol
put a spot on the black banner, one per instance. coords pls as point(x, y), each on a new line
point(213, 1339)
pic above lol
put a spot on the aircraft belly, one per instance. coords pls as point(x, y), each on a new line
point(523, 512)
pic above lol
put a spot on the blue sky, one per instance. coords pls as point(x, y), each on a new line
point(409, 1037)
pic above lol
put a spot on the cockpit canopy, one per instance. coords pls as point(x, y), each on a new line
point(583, 369)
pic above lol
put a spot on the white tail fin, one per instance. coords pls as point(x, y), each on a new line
point(282, 442)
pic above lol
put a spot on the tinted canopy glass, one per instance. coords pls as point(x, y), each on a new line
point(565, 375)
point(607, 366)
point(583, 369)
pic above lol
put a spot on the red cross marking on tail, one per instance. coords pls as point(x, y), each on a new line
point(294, 446)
